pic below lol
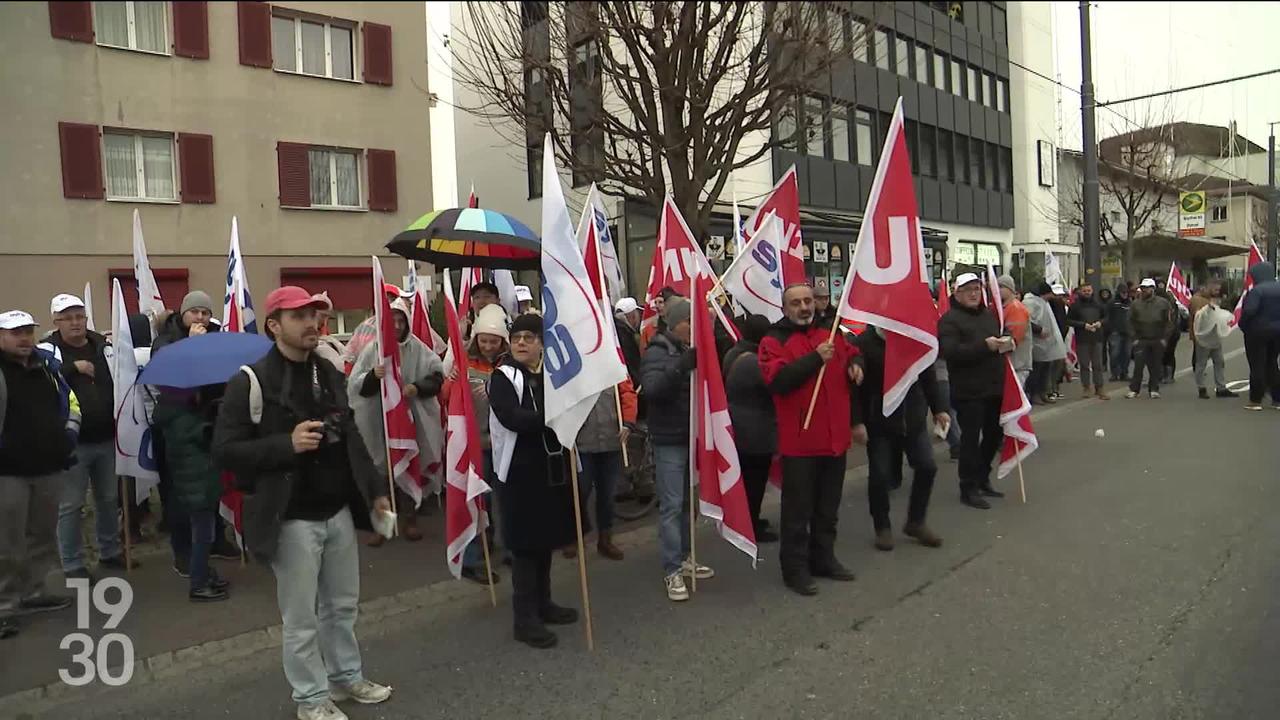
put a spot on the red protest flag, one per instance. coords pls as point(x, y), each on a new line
point(784, 202)
point(1255, 257)
point(721, 492)
point(397, 420)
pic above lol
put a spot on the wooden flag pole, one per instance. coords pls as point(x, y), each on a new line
point(128, 534)
point(1017, 454)
point(817, 386)
point(391, 481)
point(693, 539)
point(488, 567)
point(617, 403)
point(582, 554)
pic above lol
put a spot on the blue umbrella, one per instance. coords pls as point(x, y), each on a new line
point(204, 359)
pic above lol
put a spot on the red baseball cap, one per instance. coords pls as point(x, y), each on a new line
point(290, 297)
point(393, 290)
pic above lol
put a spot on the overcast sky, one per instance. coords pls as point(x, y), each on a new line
point(1142, 47)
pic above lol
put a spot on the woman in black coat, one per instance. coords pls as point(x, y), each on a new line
point(533, 484)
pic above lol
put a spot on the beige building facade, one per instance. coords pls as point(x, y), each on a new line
point(306, 121)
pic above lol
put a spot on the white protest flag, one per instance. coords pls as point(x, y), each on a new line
point(149, 301)
point(610, 267)
point(580, 363)
point(1053, 270)
point(134, 456)
point(88, 307)
point(505, 281)
point(237, 301)
point(754, 279)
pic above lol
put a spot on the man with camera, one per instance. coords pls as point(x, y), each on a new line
point(287, 433)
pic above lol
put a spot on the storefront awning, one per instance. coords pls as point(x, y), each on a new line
point(1187, 249)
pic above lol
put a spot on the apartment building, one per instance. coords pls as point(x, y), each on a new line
point(972, 130)
point(304, 120)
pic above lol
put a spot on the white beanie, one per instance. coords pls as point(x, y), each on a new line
point(492, 320)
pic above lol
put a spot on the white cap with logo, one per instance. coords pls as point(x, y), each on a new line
point(626, 305)
point(1058, 289)
point(64, 302)
point(523, 294)
point(14, 319)
point(1147, 282)
point(966, 278)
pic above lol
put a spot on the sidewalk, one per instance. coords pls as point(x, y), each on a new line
point(172, 635)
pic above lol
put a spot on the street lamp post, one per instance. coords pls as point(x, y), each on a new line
point(1273, 232)
point(1092, 242)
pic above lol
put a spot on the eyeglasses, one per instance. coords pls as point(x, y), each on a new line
point(523, 337)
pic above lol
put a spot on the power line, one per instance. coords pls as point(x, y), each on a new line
point(1189, 87)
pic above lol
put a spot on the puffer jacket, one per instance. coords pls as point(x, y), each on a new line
point(666, 385)
point(1261, 313)
point(172, 330)
point(1151, 319)
point(188, 440)
point(790, 364)
point(755, 419)
point(976, 372)
point(599, 434)
point(39, 417)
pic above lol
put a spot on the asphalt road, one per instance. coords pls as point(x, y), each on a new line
point(1139, 581)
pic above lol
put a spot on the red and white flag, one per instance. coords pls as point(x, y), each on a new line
point(464, 484)
point(1015, 409)
point(473, 200)
point(784, 201)
point(944, 294)
point(1255, 257)
point(722, 495)
point(397, 419)
point(237, 316)
point(754, 278)
point(888, 281)
point(420, 320)
point(470, 276)
point(1177, 285)
point(602, 262)
point(677, 260)
point(149, 301)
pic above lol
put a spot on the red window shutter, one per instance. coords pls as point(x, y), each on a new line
point(71, 21)
point(81, 161)
point(382, 180)
point(255, 33)
point(191, 29)
point(349, 288)
point(295, 174)
point(195, 158)
point(377, 54)
point(173, 284)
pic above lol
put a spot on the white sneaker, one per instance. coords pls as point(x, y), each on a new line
point(676, 591)
point(363, 692)
point(702, 572)
point(323, 710)
point(1131, 395)
point(1155, 395)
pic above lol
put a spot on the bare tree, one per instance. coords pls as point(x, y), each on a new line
point(648, 98)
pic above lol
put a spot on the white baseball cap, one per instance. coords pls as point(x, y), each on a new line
point(14, 319)
point(1058, 289)
point(64, 302)
point(523, 294)
point(966, 278)
point(1147, 282)
point(626, 305)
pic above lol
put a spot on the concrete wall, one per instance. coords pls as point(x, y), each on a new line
point(1034, 106)
point(62, 242)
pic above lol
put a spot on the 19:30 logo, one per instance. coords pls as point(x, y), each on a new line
point(90, 656)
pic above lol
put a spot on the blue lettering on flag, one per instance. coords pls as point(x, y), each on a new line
point(560, 355)
point(767, 256)
point(146, 453)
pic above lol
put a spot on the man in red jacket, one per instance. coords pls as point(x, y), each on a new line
point(813, 460)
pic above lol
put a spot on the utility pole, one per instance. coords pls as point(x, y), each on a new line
point(1092, 243)
point(1273, 232)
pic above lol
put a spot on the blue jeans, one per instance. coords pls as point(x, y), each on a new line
point(96, 467)
point(473, 556)
point(317, 569)
point(671, 475)
point(1121, 347)
point(601, 470)
point(201, 544)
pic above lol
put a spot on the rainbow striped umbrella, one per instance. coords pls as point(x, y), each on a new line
point(469, 237)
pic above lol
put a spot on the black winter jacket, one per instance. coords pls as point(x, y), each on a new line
point(755, 419)
point(923, 398)
point(976, 372)
point(172, 330)
point(96, 394)
point(1260, 315)
point(1118, 316)
point(1085, 311)
point(665, 376)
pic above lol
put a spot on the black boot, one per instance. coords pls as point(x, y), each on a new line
point(987, 491)
point(972, 498)
point(1204, 394)
point(536, 635)
point(553, 614)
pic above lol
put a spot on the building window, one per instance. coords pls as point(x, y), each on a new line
point(939, 70)
point(1218, 212)
point(840, 133)
point(140, 26)
point(1002, 95)
point(988, 94)
point(972, 84)
point(862, 137)
point(946, 157)
point(993, 168)
point(314, 48)
point(902, 55)
point(335, 178)
point(587, 141)
point(1006, 171)
point(962, 159)
point(858, 40)
point(139, 166)
point(957, 78)
point(977, 162)
point(815, 142)
point(909, 128)
point(881, 49)
point(921, 64)
point(534, 165)
point(532, 13)
point(787, 126)
point(928, 151)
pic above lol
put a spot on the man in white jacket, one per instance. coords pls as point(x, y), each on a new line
point(1047, 344)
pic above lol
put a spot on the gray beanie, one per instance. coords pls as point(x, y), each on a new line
point(1006, 281)
point(196, 299)
point(676, 311)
